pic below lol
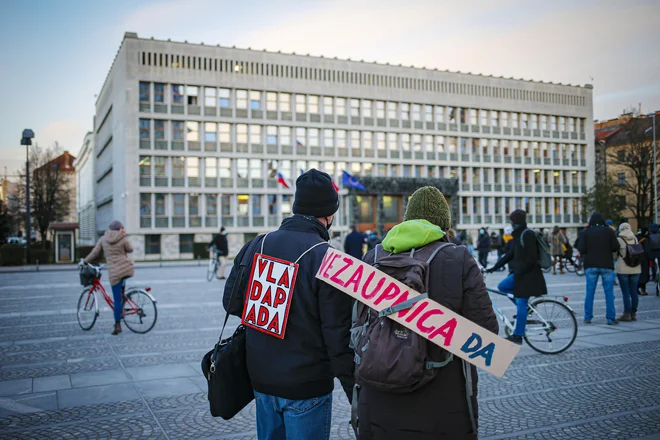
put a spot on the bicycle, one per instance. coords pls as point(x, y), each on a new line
point(549, 321)
point(139, 311)
point(213, 265)
point(573, 265)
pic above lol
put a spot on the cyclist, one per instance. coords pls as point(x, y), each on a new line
point(115, 247)
point(526, 278)
point(221, 250)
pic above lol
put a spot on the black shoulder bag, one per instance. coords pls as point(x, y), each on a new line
point(225, 367)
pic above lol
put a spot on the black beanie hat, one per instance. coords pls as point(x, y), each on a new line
point(315, 195)
point(518, 217)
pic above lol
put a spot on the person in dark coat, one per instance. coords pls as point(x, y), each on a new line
point(644, 261)
point(596, 245)
point(293, 377)
point(372, 240)
point(483, 247)
point(439, 409)
point(526, 279)
point(221, 251)
point(354, 242)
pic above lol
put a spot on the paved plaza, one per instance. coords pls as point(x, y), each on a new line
point(58, 381)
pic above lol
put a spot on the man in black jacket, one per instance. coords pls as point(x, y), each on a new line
point(354, 242)
point(221, 251)
point(526, 278)
point(293, 377)
point(596, 245)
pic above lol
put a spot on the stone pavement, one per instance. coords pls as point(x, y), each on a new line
point(57, 381)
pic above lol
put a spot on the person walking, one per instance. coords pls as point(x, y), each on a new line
point(526, 278)
point(483, 247)
point(596, 245)
point(557, 245)
point(453, 238)
point(372, 240)
point(354, 242)
point(654, 238)
point(644, 260)
point(293, 377)
point(497, 243)
point(116, 247)
point(627, 271)
point(221, 251)
point(439, 409)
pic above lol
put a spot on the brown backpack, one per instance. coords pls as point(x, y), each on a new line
point(388, 356)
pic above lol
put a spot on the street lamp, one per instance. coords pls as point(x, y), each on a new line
point(655, 171)
point(27, 141)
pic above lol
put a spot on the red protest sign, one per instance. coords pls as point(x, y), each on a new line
point(269, 294)
point(426, 317)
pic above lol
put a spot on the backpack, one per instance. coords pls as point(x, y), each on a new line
point(544, 255)
point(388, 356)
point(655, 241)
point(633, 254)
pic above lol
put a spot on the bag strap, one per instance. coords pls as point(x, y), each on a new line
point(316, 245)
point(402, 305)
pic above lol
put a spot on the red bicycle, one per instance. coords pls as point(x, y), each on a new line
point(139, 311)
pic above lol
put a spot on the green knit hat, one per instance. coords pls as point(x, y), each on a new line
point(428, 203)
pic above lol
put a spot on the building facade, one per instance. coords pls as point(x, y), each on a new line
point(85, 207)
point(190, 137)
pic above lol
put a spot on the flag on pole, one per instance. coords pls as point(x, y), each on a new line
point(351, 181)
point(283, 181)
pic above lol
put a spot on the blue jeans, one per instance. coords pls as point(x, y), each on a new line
point(116, 297)
point(607, 276)
point(285, 419)
point(506, 286)
point(628, 284)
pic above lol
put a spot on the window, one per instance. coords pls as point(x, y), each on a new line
point(328, 106)
point(405, 111)
point(494, 118)
point(514, 120)
point(391, 110)
point(416, 112)
point(145, 129)
point(355, 108)
point(622, 202)
point(392, 209)
point(534, 121)
point(241, 134)
point(177, 130)
point(504, 119)
point(621, 178)
point(210, 131)
point(177, 167)
point(159, 92)
point(211, 167)
point(179, 204)
point(255, 100)
point(523, 121)
point(313, 102)
point(393, 142)
point(151, 244)
point(193, 166)
point(341, 106)
point(428, 113)
point(193, 205)
point(144, 92)
point(286, 205)
point(159, 166)
point(328, 138)
point(209, 96)
point(562, 123)
point(177, 94)
point(313, 134)
point(225, 205)
point(271, 101)
point(256, 204)
point(191, 92)
point(380, 109)
point(242, 168)
point(145, 205)
point(243, 200)
point(439, 113)
point(285, 135)
point(186, 243)
point(285, 102)
point(192, 131)
point(255, 169)
point(272, 204)
point(225, 168)
point(621, 156)
point(241, 99)
point(225, 133)
point(159, 129)
point(341, 138)
point(271, 135)
point(255, 134)
point(145, 168)
point(405, 142)
point(366, 109)
point(301, 104)
point(160, 205)
point(224, 98)
point(211, 204)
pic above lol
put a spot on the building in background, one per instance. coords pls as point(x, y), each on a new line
point(64, 162)
point(190, 137)
point(85, 208)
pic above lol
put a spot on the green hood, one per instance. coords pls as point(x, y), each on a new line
point(412, 234)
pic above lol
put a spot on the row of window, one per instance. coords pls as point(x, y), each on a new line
point(206, 171)
point(532, 205)
point(357, 78)
point(330, 138)
point(213, 97)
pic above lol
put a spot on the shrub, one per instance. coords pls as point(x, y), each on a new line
point(44, 256)
point(199, 249)
point(12, 255)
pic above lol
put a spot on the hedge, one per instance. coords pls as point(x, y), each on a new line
point(199, 250)
point(43, 256)
point(12, 255)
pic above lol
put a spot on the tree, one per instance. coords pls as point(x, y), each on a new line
point(6, 222)
point(49, 191)
point(632, 152)
point(603, 197)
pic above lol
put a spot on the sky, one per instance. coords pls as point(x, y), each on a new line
point(55, 54)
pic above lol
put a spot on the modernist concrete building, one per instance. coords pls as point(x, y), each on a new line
point(85, 208)
point(191, 137)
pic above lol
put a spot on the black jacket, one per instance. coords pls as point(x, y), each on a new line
point(597, 243)
point(523, 259)
point(484, 242)
point(220, 243)
point(315, 349)
point(353, 244)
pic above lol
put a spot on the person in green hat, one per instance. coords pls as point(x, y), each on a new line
point(441, 408)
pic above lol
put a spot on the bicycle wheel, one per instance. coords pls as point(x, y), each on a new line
point(88, 309)
point(569, 266)
point(213, 267)
point(139, 311)
point(551, 326)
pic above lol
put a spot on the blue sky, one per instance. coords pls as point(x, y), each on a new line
point(56, 53)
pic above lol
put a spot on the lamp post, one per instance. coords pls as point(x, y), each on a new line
point(27, 141)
